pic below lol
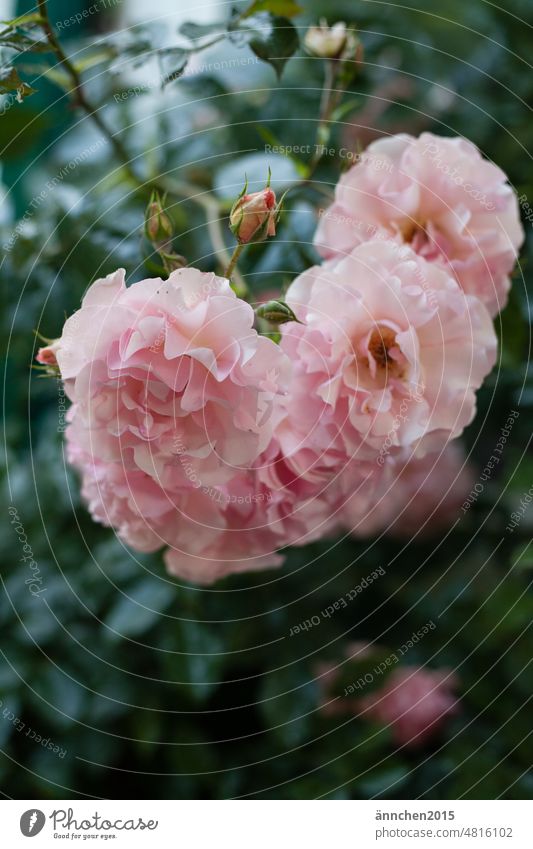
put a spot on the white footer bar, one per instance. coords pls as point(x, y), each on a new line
point(267, 824)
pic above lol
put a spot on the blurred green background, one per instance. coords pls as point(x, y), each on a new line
point(155, 689)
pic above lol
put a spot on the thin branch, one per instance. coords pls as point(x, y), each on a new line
point(80, 98)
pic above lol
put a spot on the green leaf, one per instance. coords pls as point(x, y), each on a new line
point(30, 18)
point(513, 331)
point(272, 38)
point(522, 559)
point(56, 75)
point(286, 8)
point(200, 661)
point(10, 707)
point(59, 78)
point(18, 38)
point(384, 781)
point(93, 59)
point(173, 63)
point(25, 90)
point(288, 701)
point(11, 82)
point(135, 612)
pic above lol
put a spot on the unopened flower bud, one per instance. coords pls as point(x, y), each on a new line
point(158, 226)
point(277, 312)
point(47, 356)
point(326, 42)
point(253, 216)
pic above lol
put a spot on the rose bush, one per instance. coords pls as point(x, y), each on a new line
point(203, 679)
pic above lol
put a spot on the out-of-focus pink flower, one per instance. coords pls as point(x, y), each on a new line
point(387, 358)
point(414, 495)
point(415, 702)
point(253, 216)
point(440, 196)
point(46, 356)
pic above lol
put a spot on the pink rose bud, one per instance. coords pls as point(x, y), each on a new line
point(253, 217)
point(47, 356)
point(326, 42)
point(158, 226)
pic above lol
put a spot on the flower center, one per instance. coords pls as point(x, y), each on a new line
point(382, 339)
point(412, 231)
point(383, 355)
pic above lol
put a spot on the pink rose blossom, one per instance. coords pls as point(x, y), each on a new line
point(174, 395)
point(240, 526)
point(414, 496)
point(414, 702)
point(208, 531)
point(387, 358)
point(165, 371)
point(440, 196)
point(129, 501)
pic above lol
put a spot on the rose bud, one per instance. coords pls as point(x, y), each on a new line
point(158, 226)
point(326, 42)
point(47, 356)
point(276, 312)
point(253, 216)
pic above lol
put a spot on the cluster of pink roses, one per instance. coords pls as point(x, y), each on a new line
point(195, 433)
